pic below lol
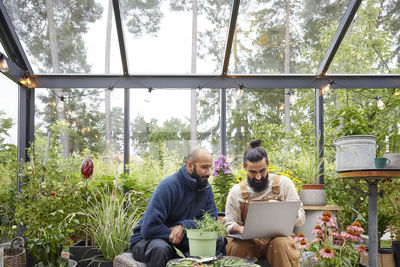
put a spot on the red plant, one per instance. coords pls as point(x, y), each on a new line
point(87, 167)
point(52, 193)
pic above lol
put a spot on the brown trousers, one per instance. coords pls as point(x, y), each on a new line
point(280, 251)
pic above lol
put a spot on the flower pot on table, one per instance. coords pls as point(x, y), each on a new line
point(313, 195)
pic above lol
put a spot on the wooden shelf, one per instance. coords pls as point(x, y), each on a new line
point(329, 207)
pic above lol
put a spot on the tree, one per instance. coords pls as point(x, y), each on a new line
point(149, 137)
point(57, 25)
point(84, 122)
point(117, 129)
point(5, 126)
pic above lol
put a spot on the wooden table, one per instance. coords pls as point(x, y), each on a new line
point(372, 177)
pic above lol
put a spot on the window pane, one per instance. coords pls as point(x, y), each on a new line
point(371, 43)
point(159, 36)
point(65, 37)
point(259, 41)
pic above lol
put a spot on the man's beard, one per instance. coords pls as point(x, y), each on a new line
point(201, 184)
point(258, 187)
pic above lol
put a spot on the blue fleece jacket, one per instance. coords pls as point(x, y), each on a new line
point(176, 200)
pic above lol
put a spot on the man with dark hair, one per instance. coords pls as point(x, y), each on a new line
point(175, 203)
point(260, 186)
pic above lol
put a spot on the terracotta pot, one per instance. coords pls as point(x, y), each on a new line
point(313, 195)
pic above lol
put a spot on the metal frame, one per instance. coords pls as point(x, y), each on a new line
point(124, 61)
point(231, 33)
point(326, 62)
point(272, 81)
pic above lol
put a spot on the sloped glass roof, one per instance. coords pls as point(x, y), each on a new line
point(374, 28)
point(259, 45)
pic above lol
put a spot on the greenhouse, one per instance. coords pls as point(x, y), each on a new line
point(104, 99)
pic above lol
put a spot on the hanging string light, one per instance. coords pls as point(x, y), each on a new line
point(327, 88)
point(282, 107)
point(292, 98)
point(60, 106)
point(147, 98)
point(3, 63)
point(239, 91)
point(26, 81)
point(380, 103)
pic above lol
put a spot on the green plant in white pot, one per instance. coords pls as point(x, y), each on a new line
point(203, 238)
point(308, 166)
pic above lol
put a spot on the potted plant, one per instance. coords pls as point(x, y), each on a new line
point(355, 148)
point(111, 218)
point(203, 238)
point(307, 168)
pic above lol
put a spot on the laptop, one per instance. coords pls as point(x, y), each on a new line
point(269, 219)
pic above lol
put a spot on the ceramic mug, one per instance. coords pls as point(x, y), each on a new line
point(381, 163)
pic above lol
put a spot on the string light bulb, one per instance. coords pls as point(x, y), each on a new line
point(282, 107)
point(60, 106)
point(327, 88)
point(26, 81)
point(292, 98)
point(147, 98)
point(3, 63)
point(239, 92)
point(380, 103)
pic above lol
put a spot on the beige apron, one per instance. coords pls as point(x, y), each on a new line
point(280, 251)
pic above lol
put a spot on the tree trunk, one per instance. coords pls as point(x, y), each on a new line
point(287, 64)
point(107, 70)
point(193, 95)
point(56, 69)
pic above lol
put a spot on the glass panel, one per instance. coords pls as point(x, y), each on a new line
point(155, 131)
point(371, 43)
point(76, 43)
point(159, 36)
point(8, 108)
point(259, 41)
point(83, 112)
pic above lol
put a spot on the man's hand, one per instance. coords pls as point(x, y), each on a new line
point(238, 229)
point(176, 234)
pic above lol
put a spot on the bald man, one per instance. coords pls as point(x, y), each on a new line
point(175, 203)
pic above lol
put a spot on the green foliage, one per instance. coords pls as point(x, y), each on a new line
point(308, 164)
point(222, 182)
point(209, 224)
point(43, 207)
point(111, 218)
point(351, 121)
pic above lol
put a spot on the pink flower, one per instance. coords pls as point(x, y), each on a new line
point(350, 235)
point(355, 226)
point(362, 250)
point(326, 253)
point(317, 230)
point(330, 222)
point(314, 259)
point(300, 236)
point(303, 244)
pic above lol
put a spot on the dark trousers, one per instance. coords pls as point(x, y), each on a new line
point(157, 252)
